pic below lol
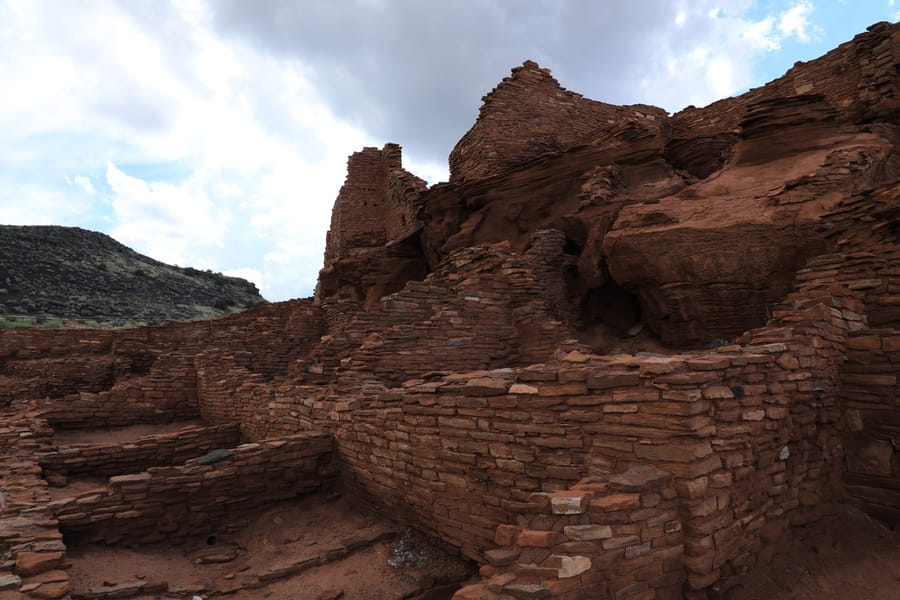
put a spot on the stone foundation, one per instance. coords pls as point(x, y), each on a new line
point(172, 503)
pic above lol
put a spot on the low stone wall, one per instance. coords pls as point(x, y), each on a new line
point(748, 433)
point(870, 393)
point(219, 378)
point(32, 553)
point(107, 459)
point(173, 503)
point(615, 538)
point(38, 363)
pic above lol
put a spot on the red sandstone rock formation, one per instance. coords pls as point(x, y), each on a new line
point(372, 246)
point(450, 349)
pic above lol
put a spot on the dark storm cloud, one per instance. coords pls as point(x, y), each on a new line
point(414, 71)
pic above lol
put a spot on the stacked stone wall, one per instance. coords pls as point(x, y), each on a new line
point(529, 114)
point(870, 393)
point(174, 503)
point(38, 362)
point(378, 203)
point(748, 434)
point(401, 213)
point(615, 538)
point(168, 393)
point(32, 553)
point(865, 87)
point(484, 307)
point(108, 459)
point(96, 378)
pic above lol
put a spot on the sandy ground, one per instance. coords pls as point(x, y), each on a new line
point(117, 434)
point(75, 486)
point(845, 557)
point(849, 556)
point(397, 565)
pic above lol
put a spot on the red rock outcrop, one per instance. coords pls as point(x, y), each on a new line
point(371, 248)
point(529, 114)
point(703, 216)
point(449, 363)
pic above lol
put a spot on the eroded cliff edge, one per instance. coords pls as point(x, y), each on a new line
point(691, 225)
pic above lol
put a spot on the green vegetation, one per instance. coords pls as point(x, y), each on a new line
point(223, 304)
point(14, 323)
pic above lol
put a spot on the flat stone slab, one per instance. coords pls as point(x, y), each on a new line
point(638, 478)
point(10, 582)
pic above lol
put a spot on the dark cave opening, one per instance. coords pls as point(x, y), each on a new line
point(612, 306)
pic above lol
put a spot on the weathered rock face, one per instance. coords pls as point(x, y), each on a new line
point(371, 248)
point(529, 114)
point(448, 351)
point(699, 219)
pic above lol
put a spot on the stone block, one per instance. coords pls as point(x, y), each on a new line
point(621, 542)
point(10, 582)
point(638, 478)
point(569, 503)
point(527, 591)
point(537, 539)
point(32, 563)
point(603, 381)
point(588, 532)
point(501, 557)
point(620, 501)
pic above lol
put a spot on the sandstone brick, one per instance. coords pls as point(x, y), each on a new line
point(537, 539)
point(501, 557)
point(619, 501)
point(32, 563)
point(587, 532)
point(603, 381)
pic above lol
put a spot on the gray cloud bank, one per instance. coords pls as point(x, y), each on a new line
point(414, 72)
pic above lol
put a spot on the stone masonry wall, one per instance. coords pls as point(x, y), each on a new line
point(529, 114)
point(603, 538)
point(867, 261)
point(38, 362)
point(748, 434)
point(378, 203)
point(173, 503)
point(870, 393)
point(168, 393)
point(32, 553)
point(486, 306)
point(100, 378)
point(869, 58)
point(108, 459)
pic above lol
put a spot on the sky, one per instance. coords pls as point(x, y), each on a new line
point(215, 133)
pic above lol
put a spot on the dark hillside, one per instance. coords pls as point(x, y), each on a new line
point(68, 273)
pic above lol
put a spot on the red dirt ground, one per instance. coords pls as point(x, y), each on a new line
point(117, 434)
point(848, 556)
point(399, 565)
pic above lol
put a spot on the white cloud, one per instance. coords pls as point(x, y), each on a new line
point(83, 182)
point(795, 22)
point(250, 274)
point(221, 142)
point(172, 223)
point(26, 203)
point(761, 35)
